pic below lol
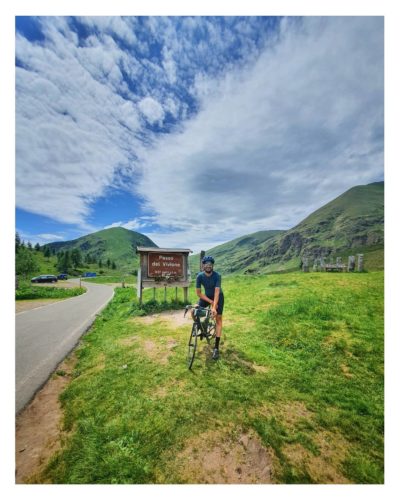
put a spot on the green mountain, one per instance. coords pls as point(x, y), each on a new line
point(117, 244)
point(351, 223)
point(235, 254)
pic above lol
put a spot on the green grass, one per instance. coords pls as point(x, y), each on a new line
point(301, 366)
point(46, 292)
point(116, 278)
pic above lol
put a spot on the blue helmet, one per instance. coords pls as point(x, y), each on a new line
point(207, 258)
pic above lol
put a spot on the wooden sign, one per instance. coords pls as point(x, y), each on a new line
point(165, 265)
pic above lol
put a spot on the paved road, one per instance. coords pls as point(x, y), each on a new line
point(44, 337)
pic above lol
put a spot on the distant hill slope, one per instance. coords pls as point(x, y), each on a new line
point(117, 244)
point(351, 223)
point(235, 254)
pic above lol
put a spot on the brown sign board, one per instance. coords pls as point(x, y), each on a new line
point(165, 265)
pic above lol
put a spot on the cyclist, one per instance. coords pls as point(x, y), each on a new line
point(213, 296)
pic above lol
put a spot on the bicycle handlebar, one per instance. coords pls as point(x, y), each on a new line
point(196, 306)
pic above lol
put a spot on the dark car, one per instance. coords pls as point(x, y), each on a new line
point(62, 276)
point(44, 278)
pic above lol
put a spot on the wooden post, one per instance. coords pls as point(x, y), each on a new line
point(202, 254)
point(139, 290)
point(185, 293)
point(154, 294)
point(165, 294)
point(176, 294)
point(360, 266)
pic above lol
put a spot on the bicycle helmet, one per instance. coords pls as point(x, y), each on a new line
point(207, 258)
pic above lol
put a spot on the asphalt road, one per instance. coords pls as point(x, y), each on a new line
point(44, 337)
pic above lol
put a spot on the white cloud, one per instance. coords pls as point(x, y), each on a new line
point(133, 225)
point(73, 133)
point(292, 124)
point(297, 129)
point(50, 237)
point(152, 110)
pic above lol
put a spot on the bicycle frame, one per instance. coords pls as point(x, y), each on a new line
point(205, 327)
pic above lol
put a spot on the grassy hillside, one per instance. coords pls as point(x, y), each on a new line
point(350, 224)
point(117, 244)
point(233, 255)
point(296, 397)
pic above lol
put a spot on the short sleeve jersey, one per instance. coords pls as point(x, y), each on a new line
point(209, 283)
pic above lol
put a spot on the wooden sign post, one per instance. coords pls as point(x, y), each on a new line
point(163, 267)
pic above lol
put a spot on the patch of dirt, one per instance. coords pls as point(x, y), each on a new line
point(346, 371)
point(289, 413)
point(159, 351)
point(174, 317)
point(324, 468)
point(215, 458)
point(341, 339)
point(129, 341)
point(27, 305)
point(38, 427)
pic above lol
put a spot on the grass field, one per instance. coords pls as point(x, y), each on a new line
point(117, 278)
point(296, 397)
point(28, 292)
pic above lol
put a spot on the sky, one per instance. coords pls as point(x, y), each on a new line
point(192, 130)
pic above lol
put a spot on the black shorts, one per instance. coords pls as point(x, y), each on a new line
point(220, 306)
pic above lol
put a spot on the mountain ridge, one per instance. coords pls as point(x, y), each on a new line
point(117, 244)
point(351, 222)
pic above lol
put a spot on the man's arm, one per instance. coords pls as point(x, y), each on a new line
point(216, 298)
point(202, 296)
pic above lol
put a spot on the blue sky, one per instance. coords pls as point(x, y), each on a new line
point(192, 130)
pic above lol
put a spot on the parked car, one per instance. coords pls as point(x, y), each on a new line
point(62, 276)
point(44, 278)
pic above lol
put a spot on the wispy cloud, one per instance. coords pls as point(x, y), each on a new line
point(50, 237)
point(220, 126)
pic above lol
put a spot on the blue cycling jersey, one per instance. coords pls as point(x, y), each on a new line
point(210, 283)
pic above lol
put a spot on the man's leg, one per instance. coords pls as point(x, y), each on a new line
point(218, 331)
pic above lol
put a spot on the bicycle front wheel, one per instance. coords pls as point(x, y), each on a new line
point(211, 331)
point(192, 345)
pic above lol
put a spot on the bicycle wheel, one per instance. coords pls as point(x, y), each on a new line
point(192, 345)
point(211, 331)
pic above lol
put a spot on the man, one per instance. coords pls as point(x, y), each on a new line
point(212, 296)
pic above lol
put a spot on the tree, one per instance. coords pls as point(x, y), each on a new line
point(100, 263)
point(25, 262)
point(64, 263)
point(76, 257)
point(29, 245)
point(47, 253)
point(113, 265)
point(108, 263)
point(37, 247)
point(17, 242)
